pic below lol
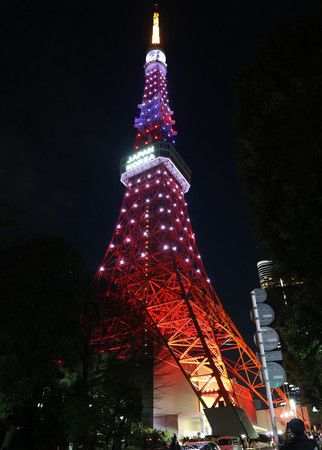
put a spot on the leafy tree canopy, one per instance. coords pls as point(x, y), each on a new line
point(279, 138)
point(279, 158)
point(54, 386)
point(43, 290)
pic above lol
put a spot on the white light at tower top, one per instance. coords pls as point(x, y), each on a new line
point(156, 29)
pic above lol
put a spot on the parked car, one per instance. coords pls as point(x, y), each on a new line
point(230, 443)
point(202, 445)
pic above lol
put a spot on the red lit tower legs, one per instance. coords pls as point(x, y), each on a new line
point(155, 284)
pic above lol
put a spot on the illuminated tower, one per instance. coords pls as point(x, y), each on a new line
point(156, 288)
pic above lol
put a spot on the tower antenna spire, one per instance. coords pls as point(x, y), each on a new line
point(156, 27)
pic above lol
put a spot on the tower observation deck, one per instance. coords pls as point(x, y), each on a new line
point(155, 286)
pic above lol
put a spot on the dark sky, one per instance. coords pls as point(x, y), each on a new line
point(71, 78)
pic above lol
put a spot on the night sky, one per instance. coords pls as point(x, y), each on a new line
point(71, 78)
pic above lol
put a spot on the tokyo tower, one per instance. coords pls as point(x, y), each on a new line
point(155, 286)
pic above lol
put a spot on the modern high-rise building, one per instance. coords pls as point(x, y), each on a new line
point(265, 273)
point(280, 289)
point(157, 297)
point(274, 285)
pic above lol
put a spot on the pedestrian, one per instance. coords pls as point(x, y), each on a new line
point(174, 443)
point(296, 438)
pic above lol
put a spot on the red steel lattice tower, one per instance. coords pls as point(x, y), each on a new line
point(155, 286)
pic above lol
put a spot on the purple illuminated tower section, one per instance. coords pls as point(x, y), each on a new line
point(155, 123)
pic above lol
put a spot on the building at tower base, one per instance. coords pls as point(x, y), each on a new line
point(176, 407)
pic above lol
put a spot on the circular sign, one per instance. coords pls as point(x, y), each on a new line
point(260, 295)
point(276, 374)
point(270, 338)
point(266, 314)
